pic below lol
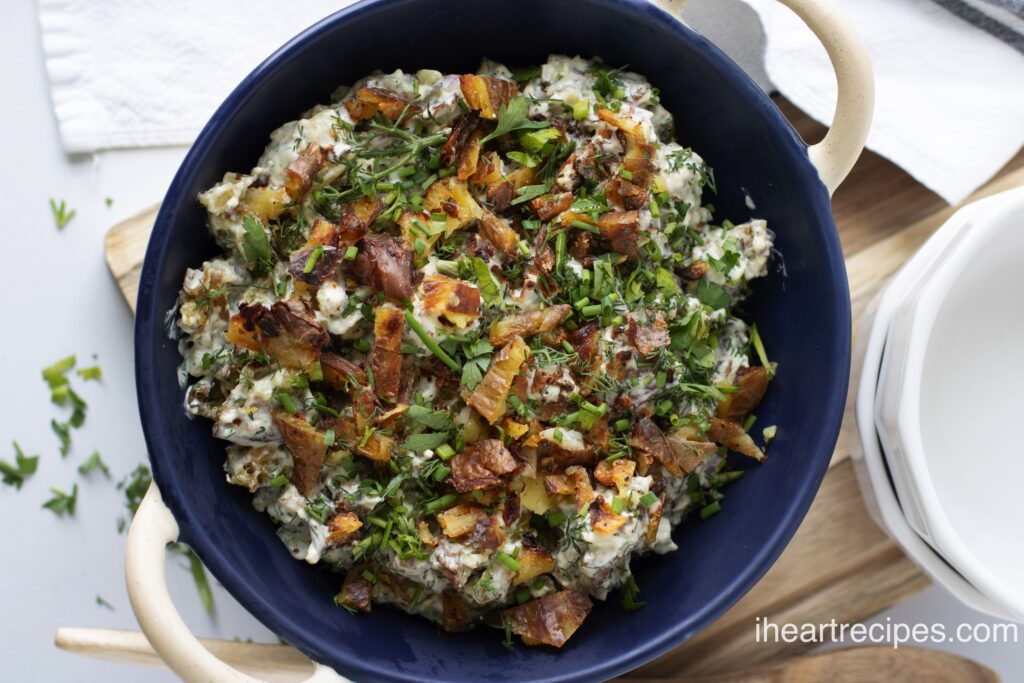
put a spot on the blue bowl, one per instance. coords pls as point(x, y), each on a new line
point(803, 312)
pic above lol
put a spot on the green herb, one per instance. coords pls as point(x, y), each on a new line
point(665, 281)
point(710, 509)
point(313, 257)
point(103, 603)
point(255, 245)
point(320, 509)
point(535, 140)
point(94, 462)
point(89, 373)
point(755, 340)
point(24, 467)
point(530, 192)
point(524, 158)
point(648, 499)
point(286, 401)
point(55, 375)
point(421, 442)
point(508, 561)
point(279, 481)
point(617, 505)
point(134, 485)
point(430, 343)
point(431, 419)
point(712, 295)
point(580, 110)
point(199, 577)
point(439, 503)
point(63, 432)
point(61, 215)
point(514, 116)
point(490, 291)
point(62, 503)
point(629, 593)
point(351, 253)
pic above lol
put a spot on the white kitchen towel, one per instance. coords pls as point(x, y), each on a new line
point(949, 96)
point(128, 73)
point(139, 73)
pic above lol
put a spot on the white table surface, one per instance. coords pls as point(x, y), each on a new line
point(61, 300)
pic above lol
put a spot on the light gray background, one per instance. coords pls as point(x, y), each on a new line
point(59, 299)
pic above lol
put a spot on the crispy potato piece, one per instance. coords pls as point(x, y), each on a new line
point(602, 520)
point(343, 527)
point(356, 218)
point(688, 454)
point(326, 263)
point(487, 94)
point(499, 233)
point(385, 264)
point(730, 434)
point(653, 520)
point(460, 519)
point(528, 323)
point(451, 196)
point(626, 194)
point(646, 437)
point(459, 140)
point(287, 332)
point(306, 444)
point(551, 619)
point(487, 534)
point(455, 300)
point(265, 203)
point(483, 465)
point(488, 398)
point(695, 271)
point(621, 230)
point(617, 473)
point(341, 373)
point(369, 101)
point(469, 159)
point(586, 341)
point(534, 498)
point(648, 336)
point(386, 359)
point(555, 456)
point(639, 153)
point(356, 591)
point(549, 206)
point(582, 488)
point(514, 429)
point(426, 535)
point(558, 485)
point(533, 562)
point(455, 616)
point(752, 384)
point(303, 170)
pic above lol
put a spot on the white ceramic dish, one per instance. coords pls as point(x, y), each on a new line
point(873, 474)
point(961, 396)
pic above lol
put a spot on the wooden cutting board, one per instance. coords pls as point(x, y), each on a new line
point(840, 565)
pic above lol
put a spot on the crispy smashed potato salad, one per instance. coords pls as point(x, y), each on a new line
point(472, 340)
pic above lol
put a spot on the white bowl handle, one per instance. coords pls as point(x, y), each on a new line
point(145, 572)
point(836, 154)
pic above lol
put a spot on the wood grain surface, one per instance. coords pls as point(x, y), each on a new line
point(840, 565)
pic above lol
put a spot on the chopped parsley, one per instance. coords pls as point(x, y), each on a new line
point(24, 466)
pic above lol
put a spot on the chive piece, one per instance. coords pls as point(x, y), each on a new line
point(279, 481)
point(556, 518)
point(329, 437)
point(351, 253)
point(523, 594)
point(580, 110)
point(434, 347)
point(445, 452)
point(406, 171)
point(654, 208)
point(659, 379)
point(567, 346)
point(749, 422)
point(622, 425)
point(560, 247)
point(314, 256)
point(287, 402)
point(508, 561)
point(617, 505)
point(438, 503)
point(591, 311)
point(362, 345)
point(524, 248)
point(316, 372)
point(710, 509)
point(581, 303)
point(625, 174)
point(755, 339)
point(648, 499)
point(93, 372)
point(585, 226)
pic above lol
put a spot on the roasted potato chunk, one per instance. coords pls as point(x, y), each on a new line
point(528, 323)
point(489, 397)
point(533, 562)
point(455, 300)
point(752, 383)
point(649, 335)
point(499, 233)
point(550, 620)
point(341, 373)
point(455, 616)
point(343, 527)
point(549, 206)
point(688, 454)
point(460, 519)
point(486, 94)
point(603, 520)
point(483, 465)
point(385, 263)
point(368, 101)
point(386, 360)
point(617, 474)
point(287, 331)
point(621, 230)
point(730, 434)
point(356, 592)
point(306, 444)
point(302, 171)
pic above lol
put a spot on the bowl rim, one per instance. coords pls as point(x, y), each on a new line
point(990, 220)
point(150, 324)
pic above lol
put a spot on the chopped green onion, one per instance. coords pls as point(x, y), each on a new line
point(556, 518)
point(710, 509)
point(445, 452)
point(560, 248)
point(591, 311)
point(508, 561)
point(316, 372)
point(625, 174)
point(287, 402)
point(329, 437)
point(314, 256)
point(749, 422)
point(351, 253)
point(430, 343)
point(580, 110)
point(648, 499)
point(622, 425)
point(362, 345)
point(279, 481)
point(617, 505)
point(585, 226)
point(438, 503)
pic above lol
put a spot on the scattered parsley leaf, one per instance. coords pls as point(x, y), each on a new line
point(63, 432)
point(431, 419)
point(418, 443)
point(134, 485)
point(529, 192)
point(199, 577)
point(61, 215)
point(255, 244)
point(629, 593)
point(62, 503)
point(56, 374)
point(103, 603)
point(24, 467)
point(713, 295)
point(514, 116)
point(490, 291)
point(109, 201)
point(94, 462)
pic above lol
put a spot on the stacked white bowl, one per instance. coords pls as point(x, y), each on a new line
point(940, 399)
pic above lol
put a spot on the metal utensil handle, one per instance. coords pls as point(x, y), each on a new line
point(145, 572)
point(836, 154)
